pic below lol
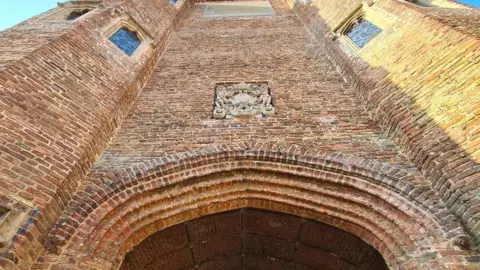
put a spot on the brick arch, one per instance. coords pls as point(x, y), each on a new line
point(385, 205)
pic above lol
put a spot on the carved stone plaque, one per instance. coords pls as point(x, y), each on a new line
point(243, 99)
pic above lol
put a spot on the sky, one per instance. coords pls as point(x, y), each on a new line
point(475, 3)
point(15, 11)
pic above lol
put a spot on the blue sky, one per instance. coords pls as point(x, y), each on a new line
point(475, 3)
point(15, 11)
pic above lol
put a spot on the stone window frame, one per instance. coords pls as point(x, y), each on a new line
point(17, 212)
point(65, 9)
point(176, 4)
point(125, 21)
point(367, 12)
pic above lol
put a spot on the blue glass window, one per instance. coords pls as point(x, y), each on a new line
point(126, 40)
point(76, 14)
point(362, 32)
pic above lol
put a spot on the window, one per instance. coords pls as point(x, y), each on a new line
point(128, 36)
point(362, 31)
point(360, 28)
point(77, 14)
point(126, 40)
point(72, 10)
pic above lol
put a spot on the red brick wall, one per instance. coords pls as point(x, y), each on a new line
point(419, 78)
point(136, 188)
point(462, 20)
point(24, 38)
point(315, 107)
point(62, 96)
point(334, 13)
point(333, 188)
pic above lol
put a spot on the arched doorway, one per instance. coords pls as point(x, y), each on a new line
point(253, 239)
point(381, 204)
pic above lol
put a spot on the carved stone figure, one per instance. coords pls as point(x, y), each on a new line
point(243, 99)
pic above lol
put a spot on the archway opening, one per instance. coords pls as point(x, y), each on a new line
point(253, 239)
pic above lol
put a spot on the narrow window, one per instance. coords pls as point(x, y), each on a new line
point(77, 14)
point(126, 40)
point(362, 32)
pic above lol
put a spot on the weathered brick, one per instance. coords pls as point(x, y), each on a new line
point(376, 148)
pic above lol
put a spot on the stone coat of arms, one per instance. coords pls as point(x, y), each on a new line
point(243, 99)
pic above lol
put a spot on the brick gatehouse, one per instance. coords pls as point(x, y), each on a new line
point(307, 134)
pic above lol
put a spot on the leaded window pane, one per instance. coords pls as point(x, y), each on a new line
point(362, 32)
point(126, 40)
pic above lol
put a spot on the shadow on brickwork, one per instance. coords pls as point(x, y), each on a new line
point(452, 172)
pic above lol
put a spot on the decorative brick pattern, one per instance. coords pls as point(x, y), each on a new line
point(167, 199)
